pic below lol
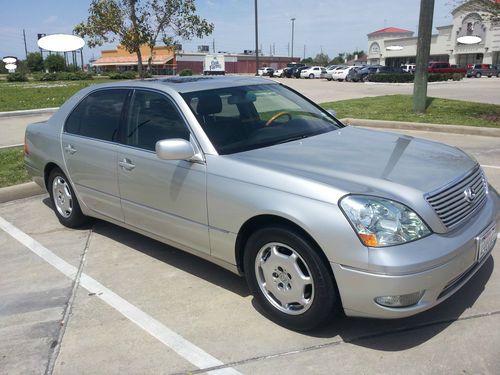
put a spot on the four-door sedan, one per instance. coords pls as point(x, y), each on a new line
point(258, 179)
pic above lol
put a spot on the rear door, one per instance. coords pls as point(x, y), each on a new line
point(89, 148)
point(163, 197)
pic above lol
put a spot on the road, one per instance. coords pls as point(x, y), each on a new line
point(134, 305)
point(482, 90)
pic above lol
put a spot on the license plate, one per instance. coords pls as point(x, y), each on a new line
point(485, 242)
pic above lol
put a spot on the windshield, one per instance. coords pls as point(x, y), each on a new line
point(244, 118)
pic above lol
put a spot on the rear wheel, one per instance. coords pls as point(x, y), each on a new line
point(478, 75)
point(64, 200)
point(311, 76)
point(289, 279)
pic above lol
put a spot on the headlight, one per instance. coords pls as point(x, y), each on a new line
point(382, 222)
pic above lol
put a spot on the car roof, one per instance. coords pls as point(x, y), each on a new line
point(191, 83)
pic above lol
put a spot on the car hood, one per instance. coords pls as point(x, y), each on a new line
point(358, 160)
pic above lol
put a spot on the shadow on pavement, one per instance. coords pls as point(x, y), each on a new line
point(386, 335)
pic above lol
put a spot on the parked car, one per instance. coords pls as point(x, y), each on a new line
point(299, 70)
point(361, 75)
point(352, 75)
point(341, 73)
point(408, 68)
point(265, 71)
point(328, 72)
point(312, 72)
point(479, 70)
point(278, 73)
point(246, 173)
point(290, 69)
point(444, 67)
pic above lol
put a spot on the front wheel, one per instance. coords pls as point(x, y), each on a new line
point(64, 200)
point(289, 279)
point(478, 75)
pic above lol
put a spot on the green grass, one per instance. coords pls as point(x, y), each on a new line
point(399, 108)
point(12, 169)
point(45, 94)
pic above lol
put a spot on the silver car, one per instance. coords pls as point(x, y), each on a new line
point(248, 174)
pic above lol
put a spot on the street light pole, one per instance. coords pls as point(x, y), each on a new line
point(293, 23)
point(256, 41)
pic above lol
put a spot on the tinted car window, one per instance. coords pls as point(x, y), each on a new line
point(151, 118)
point(98, 115)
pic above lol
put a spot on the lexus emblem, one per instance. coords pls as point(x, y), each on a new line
point(470, 194)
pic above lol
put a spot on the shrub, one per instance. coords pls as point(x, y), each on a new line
point(457, 76)
point(129, 74)
point(148, 75)
point(47, 77)
point(391, 77)
point(17, 77)
point(186, 72)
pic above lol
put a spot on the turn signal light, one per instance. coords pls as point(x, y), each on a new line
point(369, 239)
point(26, 149)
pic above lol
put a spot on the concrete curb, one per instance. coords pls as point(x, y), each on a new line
point(456, 129)
point(29, 112)
point(20, 191)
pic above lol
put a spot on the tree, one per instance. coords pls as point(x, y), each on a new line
point(54, 63)
point(338, 60)
point(307, 61)
point(321, 59)
point(490, 7)
point(171, 19)
point(141, 22)
point(2, 68)
point(34, 62)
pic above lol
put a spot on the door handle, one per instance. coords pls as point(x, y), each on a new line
point(126, 164)
point(70, 149)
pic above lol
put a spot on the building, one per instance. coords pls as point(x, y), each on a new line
point(166, 61)
point(393, 46)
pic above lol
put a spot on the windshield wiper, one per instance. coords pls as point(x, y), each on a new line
point(291, 139)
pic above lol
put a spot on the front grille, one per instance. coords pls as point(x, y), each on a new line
point(450, 202)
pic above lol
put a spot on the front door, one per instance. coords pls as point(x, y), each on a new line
point(89, 148)
point(163, 197)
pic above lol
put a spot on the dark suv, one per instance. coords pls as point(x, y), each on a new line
point(290, 70)
point(479, 70)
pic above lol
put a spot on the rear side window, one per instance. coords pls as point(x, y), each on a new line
point(98, 115)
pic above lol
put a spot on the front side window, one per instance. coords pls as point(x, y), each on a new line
point(98, 115)
point(243, 118)
point(151, 118)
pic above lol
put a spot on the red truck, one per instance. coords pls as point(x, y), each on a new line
point(444, 67)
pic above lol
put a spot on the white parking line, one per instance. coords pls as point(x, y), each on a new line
point(490, 166)
point(173, 340)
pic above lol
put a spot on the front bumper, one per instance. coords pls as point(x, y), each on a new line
point(359, 288)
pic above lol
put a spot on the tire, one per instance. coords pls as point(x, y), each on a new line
point(64, 201)
point(498, 74)
point(365, 78)
point(286, 275)
point(478, 75)
point(311, 76)
point(328, 79)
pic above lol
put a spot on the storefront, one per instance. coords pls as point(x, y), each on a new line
point(452, 43)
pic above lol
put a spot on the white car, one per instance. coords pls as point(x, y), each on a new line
point(312, 72)
point(328, 72)
point(278, 73)
point(341, 73)
point(265, 71)
point(408, 68)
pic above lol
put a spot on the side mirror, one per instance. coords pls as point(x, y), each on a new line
point(332, 112)
point(174, 149)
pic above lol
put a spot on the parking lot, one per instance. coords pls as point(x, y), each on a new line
point(106, 300)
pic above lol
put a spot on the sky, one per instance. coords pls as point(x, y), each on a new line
point(330, 27)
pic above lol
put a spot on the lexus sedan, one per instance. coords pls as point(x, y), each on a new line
point(319, 217)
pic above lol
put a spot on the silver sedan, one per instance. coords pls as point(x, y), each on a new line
point(248, 174)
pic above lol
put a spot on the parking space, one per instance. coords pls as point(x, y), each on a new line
point(134, 305)
point(483, 90)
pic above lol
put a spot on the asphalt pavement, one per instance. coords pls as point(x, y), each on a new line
point(105, 300)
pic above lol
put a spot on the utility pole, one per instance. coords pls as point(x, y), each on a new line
point(423, 52)
point(256, 42)
point(293, 24)
point(213, 45)
point(288, 49)
point(304, 51)
point(25, 48)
